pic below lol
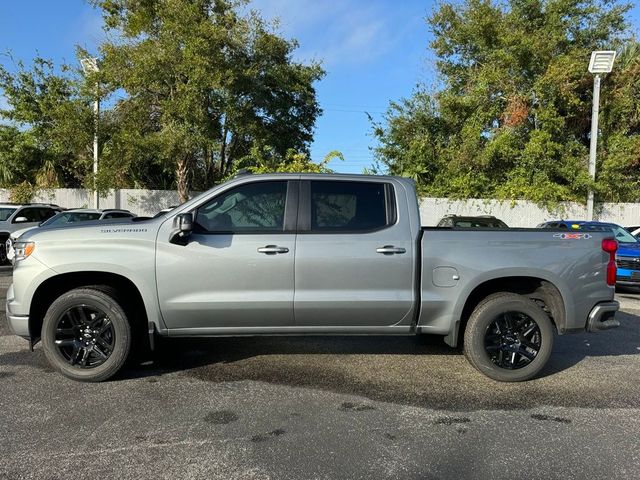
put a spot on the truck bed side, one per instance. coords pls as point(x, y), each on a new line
point(460, 266)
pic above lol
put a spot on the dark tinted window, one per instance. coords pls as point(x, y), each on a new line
point(31, 214)
point(480, 223)
point(253, 207)
point(348, 206)
point(46, 213)
point(117, 215)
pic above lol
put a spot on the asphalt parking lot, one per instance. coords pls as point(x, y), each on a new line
point(354, 407)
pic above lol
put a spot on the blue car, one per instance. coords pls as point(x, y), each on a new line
point(627, 256)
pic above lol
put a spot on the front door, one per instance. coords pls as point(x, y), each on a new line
point(237, 269)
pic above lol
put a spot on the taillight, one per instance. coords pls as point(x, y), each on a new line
point(610, 246)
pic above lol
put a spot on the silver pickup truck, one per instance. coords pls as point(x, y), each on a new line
point(297, 254)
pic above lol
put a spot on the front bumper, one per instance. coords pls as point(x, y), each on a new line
point(18, 324)
point(602, 317)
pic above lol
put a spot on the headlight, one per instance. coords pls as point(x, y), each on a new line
point(23, 250)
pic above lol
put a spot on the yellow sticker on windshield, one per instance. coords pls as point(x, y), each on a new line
point(575, 225)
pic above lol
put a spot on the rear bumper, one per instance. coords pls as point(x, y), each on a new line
point(602, 317)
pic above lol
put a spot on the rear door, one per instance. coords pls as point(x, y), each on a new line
point(354, 258)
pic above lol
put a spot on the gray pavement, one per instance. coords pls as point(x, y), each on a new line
point(355, 407)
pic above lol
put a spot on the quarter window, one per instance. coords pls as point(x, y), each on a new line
point(348, 206)
point(254, 207)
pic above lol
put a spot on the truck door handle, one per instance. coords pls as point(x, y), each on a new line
point(390, 250)
point(272, 249)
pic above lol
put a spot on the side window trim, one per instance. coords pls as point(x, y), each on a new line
point(304, 213)
point(290, 210)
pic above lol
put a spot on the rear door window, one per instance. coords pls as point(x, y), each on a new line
point(349, 206)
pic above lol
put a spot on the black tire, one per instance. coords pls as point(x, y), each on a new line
point(508, 353)
point(80, 329)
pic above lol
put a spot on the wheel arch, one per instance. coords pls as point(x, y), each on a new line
point(541, 290)
point(128, 293)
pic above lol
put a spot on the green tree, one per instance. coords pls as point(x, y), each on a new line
point(511, 118)
point(203, 86)
point(46, 140)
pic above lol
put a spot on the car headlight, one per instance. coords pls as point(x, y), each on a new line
point(23, 250)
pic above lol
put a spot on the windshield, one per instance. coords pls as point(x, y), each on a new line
point(623, 236)
point(5, 213)
point(71, 217)
point(620, 233)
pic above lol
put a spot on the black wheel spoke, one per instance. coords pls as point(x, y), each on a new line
point(530, 345)
point(106, 325)
point(85, 356)
point(95, 321)
point(103, 343)
point(70, 342)
point(75, 354)
point(72, 318)
point(100, 353)
point(82, 315)
point(67, 332)
point(525, 353)
point(508, 321)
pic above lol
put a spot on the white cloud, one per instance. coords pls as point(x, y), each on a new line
point(348, 32)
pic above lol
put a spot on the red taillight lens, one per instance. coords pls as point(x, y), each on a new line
point(610, 246)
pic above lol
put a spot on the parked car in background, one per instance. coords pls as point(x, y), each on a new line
point(481, 221)
point(634, 230)
point(67, 217)
point(164, 210)
point(627, 256)
point(15, 216)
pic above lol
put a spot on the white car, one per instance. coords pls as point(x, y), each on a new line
point(68, 217)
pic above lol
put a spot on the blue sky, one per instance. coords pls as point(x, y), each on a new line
point(373, 51)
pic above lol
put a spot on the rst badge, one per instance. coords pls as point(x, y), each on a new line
point(572, 236)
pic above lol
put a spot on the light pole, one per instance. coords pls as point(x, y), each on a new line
point(90, 65)
point(601, 62)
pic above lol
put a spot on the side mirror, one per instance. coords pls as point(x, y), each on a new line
point(20, 220)
point(182, 228)
point(185, 222)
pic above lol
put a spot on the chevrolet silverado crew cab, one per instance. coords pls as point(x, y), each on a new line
point(297, 254)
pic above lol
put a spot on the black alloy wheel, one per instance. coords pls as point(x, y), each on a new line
point(85, 336)
point(509, 337)
point(513, 340)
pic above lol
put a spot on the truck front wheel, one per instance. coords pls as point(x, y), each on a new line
point(86, 335)
point(509, 337)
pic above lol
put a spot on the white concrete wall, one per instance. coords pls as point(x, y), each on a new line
point(141, 202)
point(515, 214)
point(526, 214)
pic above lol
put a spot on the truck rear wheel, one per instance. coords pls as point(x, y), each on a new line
point(86, 335)
point(509, 337)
